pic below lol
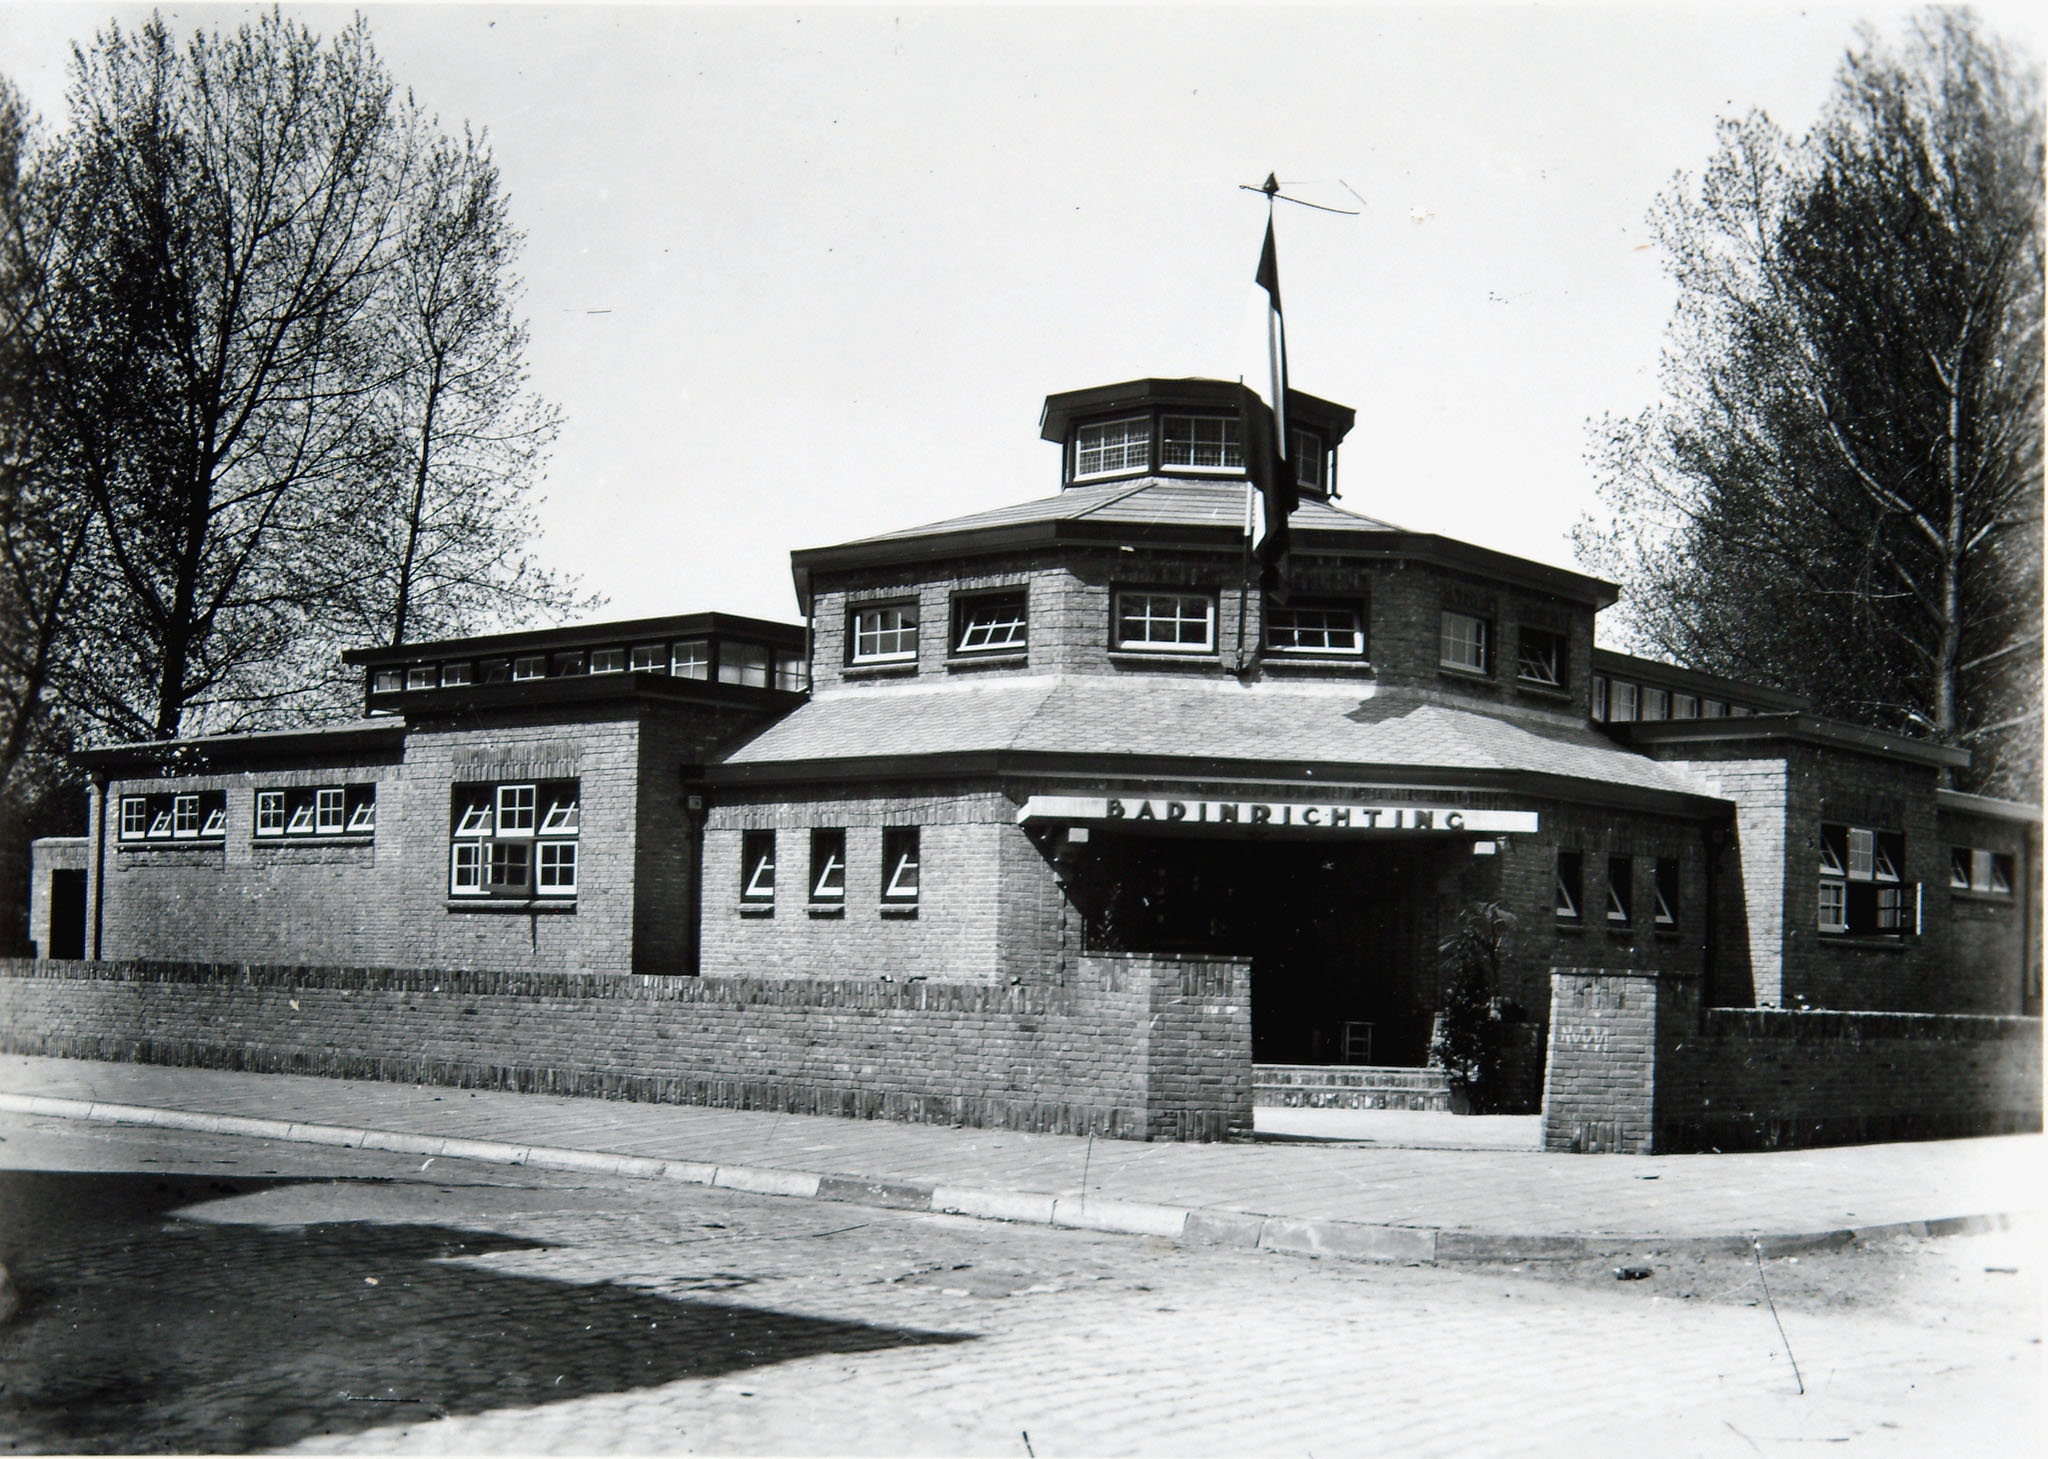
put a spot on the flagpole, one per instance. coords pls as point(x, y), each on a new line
point(1251, 487)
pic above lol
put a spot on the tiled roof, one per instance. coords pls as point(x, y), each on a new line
point(1170, 716)
point(1147, 502)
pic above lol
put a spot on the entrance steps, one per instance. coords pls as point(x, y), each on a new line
point(1349, 1086)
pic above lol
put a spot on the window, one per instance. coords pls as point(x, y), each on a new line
point(1656, 703)
point(422, 676)
point(1113, 445)
point(1685, 706)
point(270, 813)
point(691, 659)
point(899, 866)
point(1862, 888)
point(1600, 698)
point(757, 866)
point(607, 661)
point(1621, 701)
point(454, 675)
point(1309, 629)
point(1974, 870)
point(572, 662)
point(792, 671)
point(496, 671)
point(1571, 871)
point(174, 816)
point(1713, 709)
point(828, 867)
point(1208, 441)
point(1463, 643)
point(514, 841)
point(1307, 453)
point(1621, 891)
point(743, 663)
point(990, 622)
point(533, 666)
point(1666, 884)
point(1176, 622)
point(1540, 657)
point(885, 634)
point(649, 658)
point(328, 816)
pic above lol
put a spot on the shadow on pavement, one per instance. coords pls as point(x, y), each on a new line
point(140, 1332)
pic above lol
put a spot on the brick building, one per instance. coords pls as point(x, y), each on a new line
point(1006, 747)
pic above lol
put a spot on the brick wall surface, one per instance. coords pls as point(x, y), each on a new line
point(954, 932)
point(1636, 1064)
point(1988, 940)
point(1133, 1047)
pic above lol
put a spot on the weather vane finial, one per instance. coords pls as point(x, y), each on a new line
point(1271, 188)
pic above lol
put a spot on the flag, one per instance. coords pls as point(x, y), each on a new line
point(1264, 405)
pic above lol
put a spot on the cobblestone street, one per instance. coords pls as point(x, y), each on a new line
point(189, 1292)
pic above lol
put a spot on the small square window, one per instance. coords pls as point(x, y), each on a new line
point(1656, 703)
point(573, 662)
point(650, 658)
point(1464, 643)
point(564, 813)
point(423, 676)
point(270, 813)
point(454, 675)
point(792, 672)
point(466, 872)
point(1570, 877)
point(989, 623)
point(329, 818)
point(473, 816)
point(495, 671)
point(757, 866)
point(608, 661)
point(1169, 622)
point(134, 817)
point(362, 814)
point(555, 868)
point(1713, 709)
point(301, 823)
point(1834, 906)
point(899, 864)
point(185, 815)
point(510, 868)
point(691, 659)
point(515, 810)
point(533, 666)
point(1622, 701)
point(885, 634)
point(1539, 657)
point(1685, 706)
point(387, 681)
point(828, 866)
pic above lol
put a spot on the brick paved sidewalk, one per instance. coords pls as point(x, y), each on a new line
point(1522, 1194)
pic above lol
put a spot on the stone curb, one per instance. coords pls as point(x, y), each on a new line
point(1313, 1236)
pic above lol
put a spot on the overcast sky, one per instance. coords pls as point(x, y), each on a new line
point(802, 275)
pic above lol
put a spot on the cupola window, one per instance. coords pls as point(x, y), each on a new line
point(1113, 445)
point(1206, 442)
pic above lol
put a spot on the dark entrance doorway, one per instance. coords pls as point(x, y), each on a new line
point(67, 914)
point(1341, 935)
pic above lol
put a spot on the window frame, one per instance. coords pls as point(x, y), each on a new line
point(1482, 642)
point(1231, 439)
point(171, 817)
point(1621, 891)
point(1272, 612)
point(1559, 645)
point(902, 852)
point(1568, 894)
point(503, 835)
point(828, 866)
point(1664, 892)
point(967, 602)
point(856, 656)
point(1124, 468)
point(757, 856)
point(1118, 617)
point(1863, 891)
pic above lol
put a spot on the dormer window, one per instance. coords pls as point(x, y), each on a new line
point(885, 633)
point(1112, 446)
point(1307, 453)
point(1205, 442)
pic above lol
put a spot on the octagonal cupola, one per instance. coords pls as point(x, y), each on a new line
point(1191, 429)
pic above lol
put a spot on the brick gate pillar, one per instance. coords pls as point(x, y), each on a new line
point(1610, 1028)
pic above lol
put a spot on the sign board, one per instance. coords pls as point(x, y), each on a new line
point(1335, 816)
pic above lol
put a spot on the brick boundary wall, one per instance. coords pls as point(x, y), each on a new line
point(1636, 1065)
point(1132, 1047)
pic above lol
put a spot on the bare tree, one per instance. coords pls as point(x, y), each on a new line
point(1842, 489)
